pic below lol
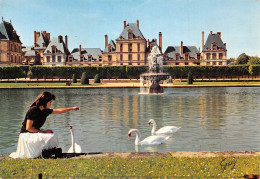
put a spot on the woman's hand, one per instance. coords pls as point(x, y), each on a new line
point(75, 108)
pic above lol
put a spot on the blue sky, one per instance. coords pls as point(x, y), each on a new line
point(87, 21)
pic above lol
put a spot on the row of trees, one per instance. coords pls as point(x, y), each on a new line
point(125, 72)
point(244, 59)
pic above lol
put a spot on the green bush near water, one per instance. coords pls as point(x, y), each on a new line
point(84, 79)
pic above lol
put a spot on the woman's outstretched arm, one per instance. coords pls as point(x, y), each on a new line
point(63, 110)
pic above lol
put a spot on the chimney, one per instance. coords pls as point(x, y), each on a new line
point(160, 40)
point(124, 24)
point(48, 35)
point(219, 33)
point(211, 32)
point(181, 50)
point(44, 34)
point(37, 35)
point(60, 39)
point(66, 41)
point(137, 23)
point(202, 40)
point(79, 50)
point(34, 38)
point(106, 41)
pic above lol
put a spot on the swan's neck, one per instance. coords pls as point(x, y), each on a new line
point(72, 141)
point(137, 138)
point(154, 128)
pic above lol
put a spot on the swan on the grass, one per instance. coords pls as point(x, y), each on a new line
point(163, 130)
point(151, 140)
point(75, 148)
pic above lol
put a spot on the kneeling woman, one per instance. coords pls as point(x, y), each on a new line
point(32, 139)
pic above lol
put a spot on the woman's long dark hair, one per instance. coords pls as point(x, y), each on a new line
point(43, 99)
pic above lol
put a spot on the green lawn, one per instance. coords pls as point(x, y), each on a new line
point(181, 167)
point(42, 84)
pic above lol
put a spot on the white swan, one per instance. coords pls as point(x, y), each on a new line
point(151, 140)
point(163, 130)
point(75, 148)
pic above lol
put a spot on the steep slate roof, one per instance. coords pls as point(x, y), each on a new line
point(113, 46)
point(172, 50)
point(30, 53)
point(214, 38)
point(151, 44)
point(6, 32)
point(60, 46)
point(42, 40)
point(86, 51)
point(134, 28)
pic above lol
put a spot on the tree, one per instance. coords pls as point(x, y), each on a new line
point(97, 79)
point(242, 59)
point(254, 60)
point(74, 78)
point(84, 79)
point(231, 60)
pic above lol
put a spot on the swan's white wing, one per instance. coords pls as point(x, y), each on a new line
point(167, 129)
point(154, 140)
point(77, 149)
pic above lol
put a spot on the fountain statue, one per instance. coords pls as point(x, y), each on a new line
point(150, 81)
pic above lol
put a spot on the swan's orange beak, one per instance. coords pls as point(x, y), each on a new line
point(129, 136)
point(149, 124)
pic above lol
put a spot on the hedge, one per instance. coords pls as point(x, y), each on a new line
point(125, 72)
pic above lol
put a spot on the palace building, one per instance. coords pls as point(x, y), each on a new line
point(10, 45)
point(214, 52)
point(130, 48)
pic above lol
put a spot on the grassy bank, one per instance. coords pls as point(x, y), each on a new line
point(194, 167)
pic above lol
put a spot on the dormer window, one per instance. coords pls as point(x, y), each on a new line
point(186, 56)
point(198, 56)
point(121, 38)
point(81, 58)
point(130, 34)
point(89, 57)
point(214, 46)
point(100, 58)
point(177, 56)
point(53, 49)
point(110, 48)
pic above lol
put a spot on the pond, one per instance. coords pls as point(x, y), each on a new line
point(211, 119)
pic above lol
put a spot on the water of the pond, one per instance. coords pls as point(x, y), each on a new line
point(211, 119)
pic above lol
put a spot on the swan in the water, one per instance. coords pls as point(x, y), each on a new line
point(151, 140)
point(75, 148)
point(163, 130)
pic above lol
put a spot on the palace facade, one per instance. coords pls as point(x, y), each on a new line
point(10, 45)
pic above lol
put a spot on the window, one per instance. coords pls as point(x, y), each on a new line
point(130, 57)
point(121, 57)
point(221, 56)
point(177, 63)
point(186, 63)
point(89, 58)
point(53, 58)
point(186, 56)
point(214, 46)
point(138, 47)
point(220, 63)
point(121, 47)
point(48, 59)
point(130, 34)
point(81, 58)
point(177, 56)
point(198, 56)
point(100, 58)
point(109, 57)
point(138, 57)
point(130, 47)
point(70, 59)
point(208, 56)
point(214, 56)
point(59, 59)
point(53, 49)
point(110, 48)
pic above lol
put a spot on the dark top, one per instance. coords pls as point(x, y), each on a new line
point(37, 116)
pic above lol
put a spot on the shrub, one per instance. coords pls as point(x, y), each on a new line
point(84, 79)
point(190, 78)
point(74, 79)
point(97, 79)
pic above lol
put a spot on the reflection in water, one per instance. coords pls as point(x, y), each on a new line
point(211, 118)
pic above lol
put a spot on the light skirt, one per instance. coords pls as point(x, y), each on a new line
point(31, 145)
